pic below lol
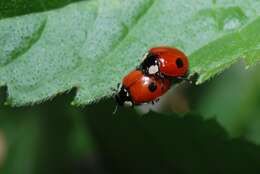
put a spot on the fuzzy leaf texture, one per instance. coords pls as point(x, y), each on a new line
point(91, 45)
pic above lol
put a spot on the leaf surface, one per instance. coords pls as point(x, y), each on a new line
point(91, 45)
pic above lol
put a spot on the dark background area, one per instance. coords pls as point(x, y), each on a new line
point(22, 7)
point(55, 137)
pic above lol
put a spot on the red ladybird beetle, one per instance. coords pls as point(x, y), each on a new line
point(138, 88)
point(165, 61)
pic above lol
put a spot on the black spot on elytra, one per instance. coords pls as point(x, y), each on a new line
point(152, 87)
point(179, 63)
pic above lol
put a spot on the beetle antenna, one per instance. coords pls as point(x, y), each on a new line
point(115, 110)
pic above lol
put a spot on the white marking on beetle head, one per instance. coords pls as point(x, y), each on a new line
point(128, 104)
point(127, 94)
point(153, 69)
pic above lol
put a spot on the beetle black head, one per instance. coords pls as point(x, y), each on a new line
point(150, 64)
point(123, 97)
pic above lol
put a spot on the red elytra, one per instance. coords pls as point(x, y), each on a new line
point(165, 61)
point(138, 88)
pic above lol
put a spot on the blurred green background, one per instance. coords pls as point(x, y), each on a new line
point(210, 128)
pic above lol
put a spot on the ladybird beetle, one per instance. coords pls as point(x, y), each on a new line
point(138, 88)
point(165, 61)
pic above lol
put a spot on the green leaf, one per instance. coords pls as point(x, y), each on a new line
point(233, 99)
point(21, 7)
point(91, 45)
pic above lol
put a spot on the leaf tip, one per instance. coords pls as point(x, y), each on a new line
point(7, 103)
point(73, 103)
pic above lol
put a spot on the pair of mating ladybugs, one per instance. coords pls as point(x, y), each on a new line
point(153, 77)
